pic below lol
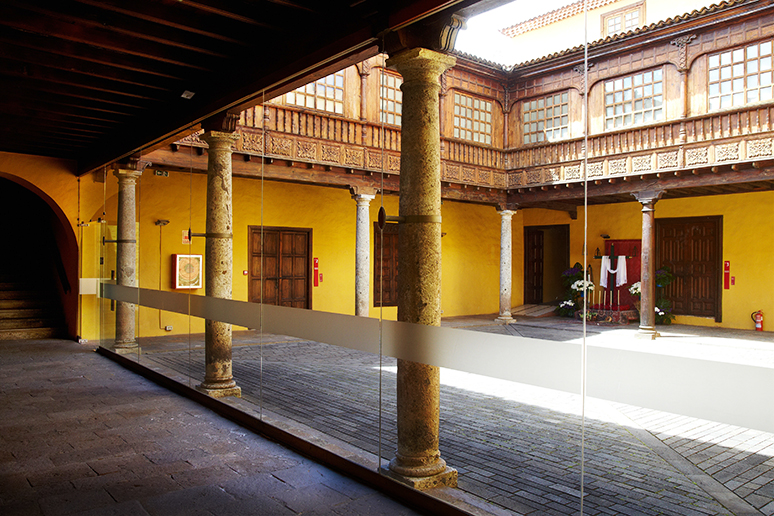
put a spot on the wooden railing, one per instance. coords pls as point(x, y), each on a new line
point(705, 128)
point(322, 126)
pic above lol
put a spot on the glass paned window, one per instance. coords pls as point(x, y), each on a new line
point(636, 99)
point(472, 119)
point(326, 94)
point(622, 21)
point(546, 119)
point(740, 76)
point(392, 99)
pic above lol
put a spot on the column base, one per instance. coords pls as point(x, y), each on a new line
point(647, 333)
point(127, 349)
point(505, 319)
point(220, 392)
point(446, 478)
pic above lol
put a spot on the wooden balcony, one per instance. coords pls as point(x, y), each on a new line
point(719, 143)
point(703, 142)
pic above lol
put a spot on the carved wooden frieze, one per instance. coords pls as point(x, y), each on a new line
point(330, 153)
point(553, 175)
point(697, 156)
point(281, 146)
point(354, 157)
point(375, 160)
point(727, 152)
point(306, 150)
point(596, 169)
point(252, 142)
point(572, 172)
point(468, 174)
point(484, 177)
point(642, 163)
point(451, 172)
point(534, 176)
point(759, 148)
point(667, 160)
point(499, 180)
point(393, 163)
point(193, 139)
point(617, 167)
point(515, 179)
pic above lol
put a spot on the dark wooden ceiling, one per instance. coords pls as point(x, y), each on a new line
point(96, 80)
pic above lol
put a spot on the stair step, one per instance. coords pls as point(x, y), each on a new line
point(22, 294)
point(43, 302)
point(31, 333)
point(25, 313)
point(32, 322)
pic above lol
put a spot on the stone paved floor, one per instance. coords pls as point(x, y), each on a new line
point(516, 445)
point(81, 435)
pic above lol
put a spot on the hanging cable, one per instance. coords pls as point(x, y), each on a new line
point(585, 244)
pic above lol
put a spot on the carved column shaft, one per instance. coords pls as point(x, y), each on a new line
point(126, 257)
point(506, 259)
point(362, 254)
point(419, 267)
point(218, 377)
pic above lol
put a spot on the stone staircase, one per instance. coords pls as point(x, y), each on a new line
point(29, 309)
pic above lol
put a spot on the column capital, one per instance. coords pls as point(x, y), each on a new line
point(421, 64)
point(126, 175)
point(506, 214)
point(219, 140)
point(363, 199)
point(648, 197)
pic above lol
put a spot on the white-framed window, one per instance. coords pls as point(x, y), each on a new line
point(623, 20)
point(472, 119)
point(326, 94)
point(740, 76)
point(636, 99)
point(547, 118)
point(391, 99)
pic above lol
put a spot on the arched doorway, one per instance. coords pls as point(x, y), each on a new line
point(38, 268)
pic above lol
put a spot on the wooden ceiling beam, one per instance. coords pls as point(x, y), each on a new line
point(48, 75)
point(96, 21)
point(17, 17)
point(143, 67)
point(168, 16)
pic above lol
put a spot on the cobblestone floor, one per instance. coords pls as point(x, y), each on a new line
point(515, 445)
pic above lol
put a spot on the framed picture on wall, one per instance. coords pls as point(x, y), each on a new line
point(188, 270)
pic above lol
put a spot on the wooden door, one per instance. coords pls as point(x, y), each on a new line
point(691, 247)
point(280, 272)
point(386, 265)
point(533, 266)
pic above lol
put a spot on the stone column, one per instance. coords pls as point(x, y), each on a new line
point(218, 379)
point(362, 254)
point(648, 200)
point(417, 460)
point(506, 259)
point(126, 258)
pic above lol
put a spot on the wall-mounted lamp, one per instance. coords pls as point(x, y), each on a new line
point(161, 222)
point(605, 236)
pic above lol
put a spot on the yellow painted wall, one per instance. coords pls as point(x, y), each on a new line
point(748, 230)
point(470, 259)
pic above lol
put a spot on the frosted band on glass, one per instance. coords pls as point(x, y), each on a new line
point(729, 393)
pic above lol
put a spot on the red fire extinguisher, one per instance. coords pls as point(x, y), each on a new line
point(757, 317)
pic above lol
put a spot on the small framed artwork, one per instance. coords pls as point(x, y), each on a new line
point(188, 270)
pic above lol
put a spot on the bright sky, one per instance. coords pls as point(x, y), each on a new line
point(483, 39)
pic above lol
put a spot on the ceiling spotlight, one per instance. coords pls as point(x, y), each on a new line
point(188, 94)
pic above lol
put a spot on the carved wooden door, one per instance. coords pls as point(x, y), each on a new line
point(691, 247)
point(285, 264)
point(533, 266)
